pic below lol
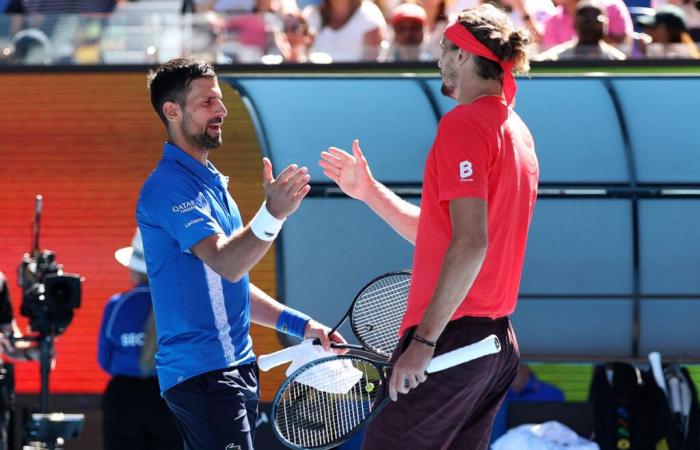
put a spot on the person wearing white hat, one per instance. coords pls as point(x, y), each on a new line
point(134, 414)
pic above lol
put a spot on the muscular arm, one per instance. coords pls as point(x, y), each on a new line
point(401, 215)
point(353, 175)
point(461, 265)
point(264, 310)
point(231, 257)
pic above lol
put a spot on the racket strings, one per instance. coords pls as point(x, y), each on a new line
point(378, 312)
point(312, 418)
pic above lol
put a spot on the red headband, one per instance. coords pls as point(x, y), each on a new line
point(463, 39)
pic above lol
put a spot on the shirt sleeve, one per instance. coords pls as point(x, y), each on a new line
point(182, 210)
point(462, 160)
point(619, 19)
point(312, 17)
point(104, 345)
point(372, 17)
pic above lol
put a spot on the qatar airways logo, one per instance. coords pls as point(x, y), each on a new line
point(184, 207)
point(199, 203)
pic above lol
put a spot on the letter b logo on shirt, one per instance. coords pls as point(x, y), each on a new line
point(465, 170)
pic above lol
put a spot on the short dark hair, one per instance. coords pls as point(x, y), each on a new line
point(171, 81)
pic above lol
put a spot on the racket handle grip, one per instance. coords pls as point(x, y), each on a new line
point(267, 362)
point(486, 346)
point(658, 371)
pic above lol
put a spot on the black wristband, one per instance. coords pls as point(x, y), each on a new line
point(423, 340)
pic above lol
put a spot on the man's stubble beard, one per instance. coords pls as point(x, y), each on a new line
point(446, 89)
point(201, 140)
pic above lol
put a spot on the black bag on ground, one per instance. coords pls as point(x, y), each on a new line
point(633, 413)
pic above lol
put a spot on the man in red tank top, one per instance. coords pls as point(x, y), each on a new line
point(479, 192)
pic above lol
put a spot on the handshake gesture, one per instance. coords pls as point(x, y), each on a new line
point(284, 193)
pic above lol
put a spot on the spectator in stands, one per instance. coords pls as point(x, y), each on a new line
point(408, 21)
point(691, 10)
point(63, 6)
point(207, 39)
point(436, 13)
point(559, 28)
point(591, 26)
point(525, 388)
point(530, 14)
point(134, 414)
point(347, 30)
point(246, 25)
point(243, 6)
point(669, 34)
point(293, 42)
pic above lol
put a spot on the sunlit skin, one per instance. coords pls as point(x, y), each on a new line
point(448, 68)
point(195, 126)
point(408, 33)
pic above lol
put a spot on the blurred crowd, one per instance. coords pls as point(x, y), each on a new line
point(326, 31)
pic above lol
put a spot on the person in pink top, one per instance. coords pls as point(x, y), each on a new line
point(559, 28)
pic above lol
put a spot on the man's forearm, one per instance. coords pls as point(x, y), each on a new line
point(264, 310)
point(401, 215)
point(460, 268)
point(232, 257)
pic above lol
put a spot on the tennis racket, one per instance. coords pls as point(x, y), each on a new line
point(375, 317)
point(326, 401)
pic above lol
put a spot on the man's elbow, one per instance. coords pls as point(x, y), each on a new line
point(472, 242)
point(232, 274)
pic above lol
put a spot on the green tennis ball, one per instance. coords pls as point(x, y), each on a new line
point(369, 387)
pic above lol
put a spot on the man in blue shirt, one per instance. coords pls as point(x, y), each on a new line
point(134, 416)
point(198, 254)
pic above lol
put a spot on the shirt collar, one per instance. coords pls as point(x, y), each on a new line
point(207, 173)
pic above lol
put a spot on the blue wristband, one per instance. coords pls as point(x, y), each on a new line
point(292, 322)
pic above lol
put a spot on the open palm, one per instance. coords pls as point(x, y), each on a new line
point(350, 172)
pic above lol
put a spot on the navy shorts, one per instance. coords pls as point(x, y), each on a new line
point(217, 410)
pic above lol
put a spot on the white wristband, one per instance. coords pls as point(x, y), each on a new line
point(264, 225)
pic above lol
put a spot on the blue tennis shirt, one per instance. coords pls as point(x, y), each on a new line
point(202, 319)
